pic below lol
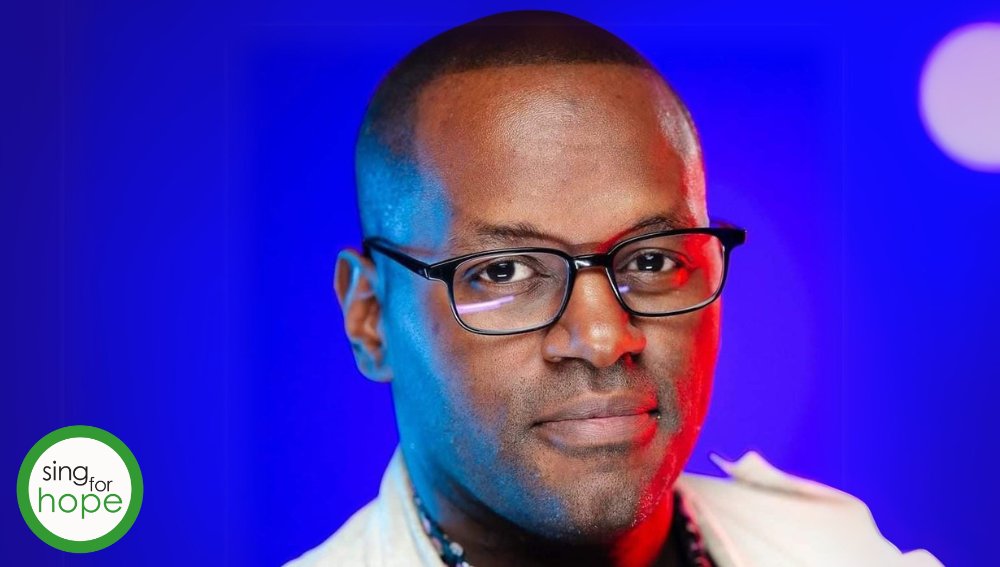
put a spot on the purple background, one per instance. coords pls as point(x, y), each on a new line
point(176, 179)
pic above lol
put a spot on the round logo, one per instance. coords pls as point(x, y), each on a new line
point(79, 489)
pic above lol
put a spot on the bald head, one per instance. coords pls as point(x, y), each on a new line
point(390, 176)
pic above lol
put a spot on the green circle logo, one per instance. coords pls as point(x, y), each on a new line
point(79, 489)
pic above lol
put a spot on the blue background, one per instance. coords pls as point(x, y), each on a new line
point(177, 179)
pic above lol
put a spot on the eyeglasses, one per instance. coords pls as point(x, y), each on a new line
point(517, 290)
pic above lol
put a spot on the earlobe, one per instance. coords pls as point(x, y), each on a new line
point(354, 283)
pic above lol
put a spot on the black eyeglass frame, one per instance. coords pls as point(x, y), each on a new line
point(444, 271)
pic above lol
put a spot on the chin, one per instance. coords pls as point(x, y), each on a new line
point(594, 514)
point(599, 503)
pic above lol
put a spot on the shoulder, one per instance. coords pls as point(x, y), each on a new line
point(346, 547)
point(384, 533)
point(761, 515)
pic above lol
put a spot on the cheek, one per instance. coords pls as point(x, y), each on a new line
point(467, 378)
point(490, 376)
point(689, 345)
point(702, 350)
point(416, 319)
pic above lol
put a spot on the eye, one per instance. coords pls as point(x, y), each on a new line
point(651, 261)
point(504, 271)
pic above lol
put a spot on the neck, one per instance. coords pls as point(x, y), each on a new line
point(489, 540)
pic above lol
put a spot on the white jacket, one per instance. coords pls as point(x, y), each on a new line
point(759, 517)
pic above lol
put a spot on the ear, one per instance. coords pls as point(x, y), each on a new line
point(354, 282)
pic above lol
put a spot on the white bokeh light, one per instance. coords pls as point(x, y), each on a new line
point(960, 96)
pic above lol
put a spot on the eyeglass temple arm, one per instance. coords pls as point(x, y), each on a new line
point(735, 236)
point(408, 262)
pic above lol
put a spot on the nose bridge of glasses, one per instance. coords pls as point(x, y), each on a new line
point(603, 261)
point(591, 261)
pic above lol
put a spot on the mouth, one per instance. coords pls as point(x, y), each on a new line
point(601, 422)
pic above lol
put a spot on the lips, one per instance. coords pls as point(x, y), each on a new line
point(593, 422)
point(590, 407)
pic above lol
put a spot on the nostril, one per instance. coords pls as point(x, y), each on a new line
point(628, 360)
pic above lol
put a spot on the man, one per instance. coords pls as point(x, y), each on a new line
point(539, 284)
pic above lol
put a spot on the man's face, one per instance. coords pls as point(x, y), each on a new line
point(579, 154)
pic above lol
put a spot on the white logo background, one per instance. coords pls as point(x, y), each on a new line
point(103, 464)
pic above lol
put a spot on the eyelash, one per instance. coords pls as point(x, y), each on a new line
point(676, 258)
point(473, 273)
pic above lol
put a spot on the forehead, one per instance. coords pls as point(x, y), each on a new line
point(579, 152)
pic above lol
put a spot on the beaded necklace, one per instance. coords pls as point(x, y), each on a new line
point(682, 526)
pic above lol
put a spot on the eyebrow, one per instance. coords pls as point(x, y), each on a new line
point(488, 235)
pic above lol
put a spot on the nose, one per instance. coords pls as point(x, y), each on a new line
point(594, 327)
